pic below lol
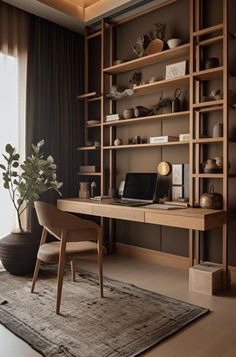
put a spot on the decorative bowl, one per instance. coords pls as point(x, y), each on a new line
point(155, 46)
point(174, 42)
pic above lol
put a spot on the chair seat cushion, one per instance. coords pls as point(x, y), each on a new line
point(49, 252)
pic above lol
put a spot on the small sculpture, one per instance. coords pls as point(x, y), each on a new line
point(141, 45)
point(158, 32)
point(176, 103)
point(119, 93)
point(135, 79)
point(163, 102)
point(141, 111)
point(117, 142)
point(93, 187)
point(215, 94)
point(142, 42)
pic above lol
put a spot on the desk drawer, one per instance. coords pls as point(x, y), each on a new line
point(125, 213)
point(74, 206)
point(175, 221)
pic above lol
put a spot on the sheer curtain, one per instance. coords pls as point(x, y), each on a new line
point(13, 65)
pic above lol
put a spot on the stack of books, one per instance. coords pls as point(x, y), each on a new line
point(112, 117)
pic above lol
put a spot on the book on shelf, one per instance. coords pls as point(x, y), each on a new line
point(112, 117)
point(88, 168)
point(162, 139)
point(184, 137)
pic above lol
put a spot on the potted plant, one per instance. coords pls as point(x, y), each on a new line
point(25, 183)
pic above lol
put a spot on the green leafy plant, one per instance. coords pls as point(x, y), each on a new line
point(27, 181)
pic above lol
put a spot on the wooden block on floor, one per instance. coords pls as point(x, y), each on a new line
point(206, 278)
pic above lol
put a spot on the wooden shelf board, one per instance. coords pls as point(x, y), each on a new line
point(86, 95)
point(211, 41)
point(95, 34)
point(93, 125)
point(209, 74)
point(211, 109)
point(208, 176)
point(214, 176)
point(148, 118)
point(159, 85)
point(208, 30)
point(208, 140)
point(95, 99)
point(120, 147)
point(89, 173)
point(149, 60)
point(211, 103)
point(88, 148)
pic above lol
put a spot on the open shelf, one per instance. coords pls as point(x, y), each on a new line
point(211, 41)
point(210, 103)
point(208, 30)
point(209, 176)
point(89, 173)
point(180, 51)
point(208, 140)
point(87, 95)
point(97, 125)
point(88, 148)
point(209, 74)
point(184, 114)
point(160, 85)
point(132, 146)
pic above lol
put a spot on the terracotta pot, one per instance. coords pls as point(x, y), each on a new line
point(18, 252)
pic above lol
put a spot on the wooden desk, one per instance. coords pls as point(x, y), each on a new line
point(194, 219)
point(190, 218)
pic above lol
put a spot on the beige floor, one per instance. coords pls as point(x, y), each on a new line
point(213, 335)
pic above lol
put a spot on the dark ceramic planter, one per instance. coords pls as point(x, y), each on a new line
point(18, 253)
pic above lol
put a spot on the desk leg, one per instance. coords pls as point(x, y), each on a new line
point(111, 235)
point(197, 247)
point(226, 283)
point(191, 247)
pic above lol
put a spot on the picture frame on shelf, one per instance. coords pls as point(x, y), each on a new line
point(175, 70)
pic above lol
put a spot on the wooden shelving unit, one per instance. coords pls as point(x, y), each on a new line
point(200, 38)
point(198, 43)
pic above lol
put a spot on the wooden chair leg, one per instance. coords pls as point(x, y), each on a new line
point(36, 272)
point(100, 263)
point(72, 264)
point(38, 262)
point(60, 274)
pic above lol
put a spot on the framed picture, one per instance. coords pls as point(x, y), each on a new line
point(177, 192)
point(177, 174)
point(175, 70)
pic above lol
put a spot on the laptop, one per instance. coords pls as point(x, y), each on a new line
point(139, 189)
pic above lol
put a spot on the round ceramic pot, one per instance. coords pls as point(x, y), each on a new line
point(212, 200)
point(128, 113)
point(18, 252)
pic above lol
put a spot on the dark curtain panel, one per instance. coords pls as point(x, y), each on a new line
point(54, 79)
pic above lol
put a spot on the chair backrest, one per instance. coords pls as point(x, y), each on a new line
point(55, 220)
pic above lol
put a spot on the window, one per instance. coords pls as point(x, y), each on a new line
point(9, 133)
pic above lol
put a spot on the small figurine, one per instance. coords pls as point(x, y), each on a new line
point(93, 187)
point(135, 79)
point(141, 45)
point(176, 103)
point(119, 93)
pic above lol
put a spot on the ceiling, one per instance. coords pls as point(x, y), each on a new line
point(75, 14)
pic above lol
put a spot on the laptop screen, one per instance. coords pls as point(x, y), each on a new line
point(140, 186)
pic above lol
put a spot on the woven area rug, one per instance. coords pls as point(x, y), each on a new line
point(128, 321)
